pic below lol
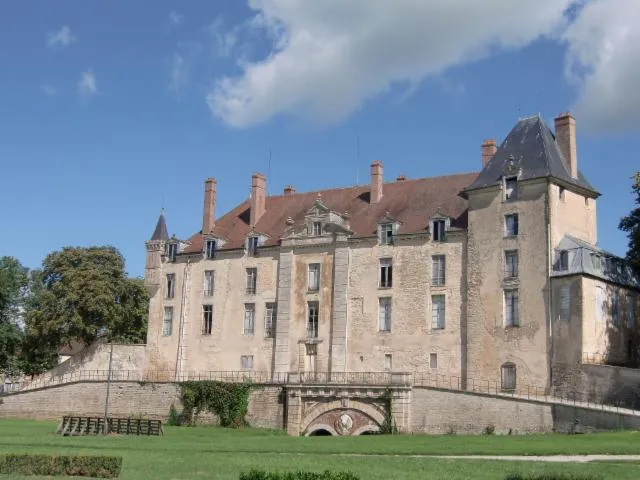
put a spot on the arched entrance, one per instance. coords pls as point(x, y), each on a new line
point(356, 419)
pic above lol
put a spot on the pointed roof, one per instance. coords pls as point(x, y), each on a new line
point(532, 148)
point(160, 233)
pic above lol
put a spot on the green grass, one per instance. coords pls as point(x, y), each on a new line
point(222, 454)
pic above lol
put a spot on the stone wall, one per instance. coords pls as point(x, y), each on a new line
point(152, 400)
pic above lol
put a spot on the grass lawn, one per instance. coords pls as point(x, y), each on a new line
point(222, 454)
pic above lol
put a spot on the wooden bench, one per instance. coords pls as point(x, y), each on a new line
point(76, 425)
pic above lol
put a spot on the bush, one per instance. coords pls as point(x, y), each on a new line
point(551, 476)
point(51, 465)
point(299, 475)
point(490, 429)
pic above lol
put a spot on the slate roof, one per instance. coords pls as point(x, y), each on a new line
point(585, 258)
point(533, 148)
point(411, 202)
point(160, 233)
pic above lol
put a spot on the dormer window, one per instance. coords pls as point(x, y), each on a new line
point(316, 229)
point(510, 188)
point(210, 249)
point(172, 251)
point(563, 260)
point(386, 233)
point(252, 245)
point(438, 230)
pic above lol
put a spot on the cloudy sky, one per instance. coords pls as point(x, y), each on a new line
point(112, 110)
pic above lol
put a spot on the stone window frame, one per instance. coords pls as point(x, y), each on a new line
point(507, 181)
point(439, 274)
point(246, 362)
point(438, 229)
point(386, 233)
point(167, 321)
point(511, 270)
point(515, 314)
point(207, 290)
point(249, 319)
point(207, 319)
point(316, 268)
point(170, 286)
point(270, 317)
point(384, 323)
point(508, 377)
point(252, 280)
point(515, 230)
point(439, 316)
point(313, 319)
point(316, 228)
point(385, 273)
point(210, 248)
point(171, 251)
point(433, 360)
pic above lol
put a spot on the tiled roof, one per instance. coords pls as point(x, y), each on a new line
point(411, 202)
point(533, 148)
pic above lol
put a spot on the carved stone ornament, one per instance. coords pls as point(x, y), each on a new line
point(344, 423)
point(510, 168)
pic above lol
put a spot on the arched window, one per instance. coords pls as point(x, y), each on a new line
point(508, 376)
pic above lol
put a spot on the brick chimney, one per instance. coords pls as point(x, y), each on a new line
point(289, 189)
point(489, 149)
point(208, 212)
point(376, 181)
point(566, 141)
point(258, 188)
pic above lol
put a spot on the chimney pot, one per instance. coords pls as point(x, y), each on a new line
point(566, 140)
point(258, 200)
point(376, 182)
point(401, 178)
point(289, 189)
point(208, 214)
point(489, 149)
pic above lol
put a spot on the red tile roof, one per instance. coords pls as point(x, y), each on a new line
point(411, 202)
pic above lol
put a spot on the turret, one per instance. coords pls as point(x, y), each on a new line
point(155, 247)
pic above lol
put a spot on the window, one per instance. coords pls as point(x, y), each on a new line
point(210, 249)
point(167, 324)
point(270, 315)
point(511, 264)
point(171, 285)
point(433, 360)
point(438, 233)
point(252, 276)
point(508, 376)
point(207, 319)
point(246, 362)
point(252, 245)
point(386, 234)
point(615, 308)
point(600, 305)
point(386, 273)
point(631, 312)
point(563, 260)
point(312, 319)
point(438, 267)
point(511, 188)
point(437, 312)
point(511, 308)
point(565, 302)
point(208, 282)
point(511, 225)
point(314, 277)
point(384, 314)
point(388, 362)
point(317, 228)
point(249, 318)
point(172, 251)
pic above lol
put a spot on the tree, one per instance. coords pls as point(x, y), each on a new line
point(82, 294)
point(631, 225)
point(13, 288)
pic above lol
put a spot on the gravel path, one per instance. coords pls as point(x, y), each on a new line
point(546, 458)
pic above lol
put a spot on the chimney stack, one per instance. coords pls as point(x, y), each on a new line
point(208, 215)
point(566, 141)
point(258, 188)
point(289, 189)
point(376, 181)
point(489, 149)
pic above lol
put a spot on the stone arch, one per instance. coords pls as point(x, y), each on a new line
point(316, 418)
point(321, 426)
point(366, 429)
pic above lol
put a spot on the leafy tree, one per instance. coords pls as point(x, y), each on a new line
point(82, 294)
point(13, 288)
point(631, 225)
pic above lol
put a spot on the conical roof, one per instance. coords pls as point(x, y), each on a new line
point(160, 233)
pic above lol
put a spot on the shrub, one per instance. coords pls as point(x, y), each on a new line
point(299, 475)
point(490, 429)
point(51, 465)
point(229, 401)
point(551, 476)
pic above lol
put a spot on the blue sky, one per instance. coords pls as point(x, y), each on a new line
point(111, 110)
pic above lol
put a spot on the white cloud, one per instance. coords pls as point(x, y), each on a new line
point(225, 41)
point(182, 64)
point(49, 90)
point(62, 37)
point(327, 58)
point(602, 60)
point(87, 85)
point(175, 18)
